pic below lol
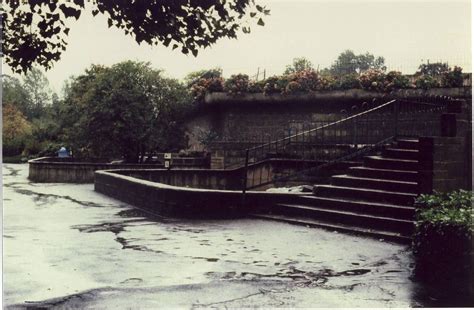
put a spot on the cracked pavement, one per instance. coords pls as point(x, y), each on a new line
point(66, 246)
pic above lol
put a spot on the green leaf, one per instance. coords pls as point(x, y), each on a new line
point(260, 22)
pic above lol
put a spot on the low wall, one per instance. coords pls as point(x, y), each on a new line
point(71, 170)
point(169, 200)
point(191, 178)
point(445, 164)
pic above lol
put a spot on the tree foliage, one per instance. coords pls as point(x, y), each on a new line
point(16, 130)
point(349, 63)
point(124, 111)
point(298, 65)
point(432, 69)
point(31, 95)
point(34, 32)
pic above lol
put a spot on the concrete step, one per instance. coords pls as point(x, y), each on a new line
point(361, 206)
point(382, 184)
point(390, 163)
point(407, 143)
point(368, 194)
point(377, 234)
point(346, 217)
point(400, 153)
point(388, 174)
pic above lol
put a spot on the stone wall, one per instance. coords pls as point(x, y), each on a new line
point(70, 170)
point(446, 161)
point(232, 123)
point(168, 200)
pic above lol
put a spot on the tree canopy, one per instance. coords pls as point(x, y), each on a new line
point(298, 65)
point(435, 68)
point(124, 111)
point(34, 31)
point(30, 96)
point(16, 130)
point(350, 63)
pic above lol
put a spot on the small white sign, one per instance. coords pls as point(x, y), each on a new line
point(167, 163)
point(167, 155)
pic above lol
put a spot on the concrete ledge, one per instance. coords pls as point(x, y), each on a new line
point(332, 95)
point(177, 201)
point(60, 170)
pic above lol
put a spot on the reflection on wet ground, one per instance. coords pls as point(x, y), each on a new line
point(68, 246)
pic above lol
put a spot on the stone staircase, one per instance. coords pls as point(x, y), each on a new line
point(375, 199)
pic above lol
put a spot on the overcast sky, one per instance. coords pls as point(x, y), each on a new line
point(405, 32)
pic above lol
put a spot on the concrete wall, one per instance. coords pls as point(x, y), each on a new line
point(442, 166)
point(252, 119)
point(446, 161)
point(168, 200)
point(70, 170)
point(189, 178)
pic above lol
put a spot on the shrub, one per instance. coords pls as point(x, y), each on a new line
point(256, 86)
point(307, 79)
point(348, 81)
point(443, 237)
point(426, 82)
point(452, 78)
point(293, 87)
point(275, 84)
point(327, 82)
point(372, 79)
point(395, 80)
point(203, 86)
point(237, 84)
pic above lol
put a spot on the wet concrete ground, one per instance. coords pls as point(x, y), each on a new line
point(68, 246)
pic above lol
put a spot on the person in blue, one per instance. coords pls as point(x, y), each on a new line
point(63, 153)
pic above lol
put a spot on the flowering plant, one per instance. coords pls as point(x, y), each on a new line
point(203, 86)
point(237, 84)
point(372, 79)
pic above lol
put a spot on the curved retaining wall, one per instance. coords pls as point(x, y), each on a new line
point(65, 170)
point(178, 201)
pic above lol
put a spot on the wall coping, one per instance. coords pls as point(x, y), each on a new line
point(51, 161)
point(113, 173)
point(349, 94)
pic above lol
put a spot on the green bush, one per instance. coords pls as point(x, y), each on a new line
point(275, 85)
point(372, 79)
point(442, 242)
point(426, 82)
point(395, 80)
point(237, 84)
point(452, 78)
point(256, 86)
point(349, 81)
point(206, 85)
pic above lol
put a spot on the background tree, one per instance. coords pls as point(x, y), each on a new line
point(39, 94)
point(350, 63)
point(34, 32)
point(124, 111)
point(15, 94)
point(435, 68)
point(16, 130)
point(298, 65)
point(31, 95)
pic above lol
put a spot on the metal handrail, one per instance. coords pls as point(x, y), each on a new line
point(405, 112)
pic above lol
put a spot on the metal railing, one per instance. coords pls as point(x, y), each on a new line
point(345, 138)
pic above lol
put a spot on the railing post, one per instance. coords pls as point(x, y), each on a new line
point(244, 181)
point(396, 111)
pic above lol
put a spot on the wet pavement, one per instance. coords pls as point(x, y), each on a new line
point(68, 246)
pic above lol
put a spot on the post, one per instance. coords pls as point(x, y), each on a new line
point(244, 181)
point(396, 111)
